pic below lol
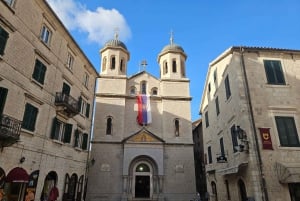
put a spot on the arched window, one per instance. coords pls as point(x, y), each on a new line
point(214, 191)
point(104, 64)
point(79, 188)
point(176, 124)
point(174, 66)
point(132, 90)
point(154, 91)
point(182, 69)
point(144, 87)
point(109, 126)
point(113, 62)
point(122, 65)
point(165, 66)
point(243, 192)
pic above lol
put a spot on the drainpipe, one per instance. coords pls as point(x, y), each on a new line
point(265, 196)
point(90, 140)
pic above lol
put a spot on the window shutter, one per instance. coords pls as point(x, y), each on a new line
point(68, 132)
point(3, 39)
point(85, 141)
point(29, 117)
point(54, 123)
point(76, 138)
point(3, 94)
point(87, 112)
point(42, 73)
point(234, 138)
point(79, 103)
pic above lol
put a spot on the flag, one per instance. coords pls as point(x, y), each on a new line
point(144, 110)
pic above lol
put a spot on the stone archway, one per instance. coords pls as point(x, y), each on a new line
point(143, 178)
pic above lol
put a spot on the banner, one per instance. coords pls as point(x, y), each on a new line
point(144, 110)
point(266, 138)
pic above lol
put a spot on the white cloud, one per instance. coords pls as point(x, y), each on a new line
point(99, 25)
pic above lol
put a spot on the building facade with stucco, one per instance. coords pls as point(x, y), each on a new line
point(46, 99)
point(251, 120)
point(152, 161)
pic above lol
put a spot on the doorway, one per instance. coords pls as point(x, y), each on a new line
point(142, 186)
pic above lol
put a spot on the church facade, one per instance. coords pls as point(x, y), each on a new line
point(135, 159)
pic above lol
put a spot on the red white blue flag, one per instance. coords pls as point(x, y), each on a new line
point(144, 110)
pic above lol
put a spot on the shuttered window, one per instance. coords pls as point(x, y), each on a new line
point(61, 131)
point(29, 118)
point(85, 141)
point(287, 131)
point(274, 72)
point(3, 39)
point(39, 71)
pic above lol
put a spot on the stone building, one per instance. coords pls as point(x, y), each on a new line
point(200, 173)
point(46, 99)
point(251, 120)
point(142, 160)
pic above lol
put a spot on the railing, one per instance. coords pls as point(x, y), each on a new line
point(9, 130)
point(67, 101)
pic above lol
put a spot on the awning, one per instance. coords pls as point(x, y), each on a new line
point(288, 172)
point(232, 170)
point(17, 175)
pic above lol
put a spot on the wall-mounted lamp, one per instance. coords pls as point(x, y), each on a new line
point(22, 159)
point(240, 133)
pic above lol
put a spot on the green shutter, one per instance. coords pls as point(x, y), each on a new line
point(85, 141)
point(54, 123)
point(79, 103)
point(29, 117)
point(42, 73)
point(67, 134)
point(3, 39)
point(3, 94)
point(87, 111)
point(76, 138)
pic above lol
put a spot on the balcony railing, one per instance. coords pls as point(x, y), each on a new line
point(70, 104)
point(9, 130)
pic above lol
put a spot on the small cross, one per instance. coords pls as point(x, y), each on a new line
point(144, 64)
point(116, 30)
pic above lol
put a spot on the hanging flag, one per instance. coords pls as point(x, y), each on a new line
point(144, 110)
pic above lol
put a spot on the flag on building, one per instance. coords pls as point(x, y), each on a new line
point(144, 109)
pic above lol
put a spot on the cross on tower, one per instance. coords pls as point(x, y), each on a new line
point(144, 64)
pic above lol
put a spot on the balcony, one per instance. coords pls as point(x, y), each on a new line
point(9, 130)
point(66, 104)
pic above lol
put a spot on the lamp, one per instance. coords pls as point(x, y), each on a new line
point(22, 159)
point(240, 133)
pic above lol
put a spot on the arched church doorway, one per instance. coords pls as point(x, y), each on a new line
point(142, 180)
point(143, 173)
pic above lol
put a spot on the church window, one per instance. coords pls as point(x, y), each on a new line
point(132, 90)
point(109, 126)
point(104, 64)
point(165, 66)
point(154, 91)
point(176, 124)
point(144, 87)
point(122, 65)
point(182, 69)
point(174, 66)
point(113, 62)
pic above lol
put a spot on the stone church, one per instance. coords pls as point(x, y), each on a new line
point(149, 160)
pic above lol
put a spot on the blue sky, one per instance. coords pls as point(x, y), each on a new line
point(203, 28)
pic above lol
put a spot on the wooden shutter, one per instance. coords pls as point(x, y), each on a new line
point(67, 134)
point(66, 89)
point(3, 94)
point(87, 111)
point(85, 141)
point(76, 141)
point(54, 123)
point(29, 117)
point(3, 39)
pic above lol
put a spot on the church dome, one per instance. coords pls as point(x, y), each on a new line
point(115, 43)
point(172, 47)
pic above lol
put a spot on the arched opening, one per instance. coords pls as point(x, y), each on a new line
point(214, 191)
point(242, 189)
point(104, 64)
point(15, 184)
point(109, 126)
point(144, 179)
point(49, 188)
point(176, 125)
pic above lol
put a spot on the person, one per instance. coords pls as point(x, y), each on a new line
point(53, 195)
point(1, 194)
point(29, 196)
point(198, 197)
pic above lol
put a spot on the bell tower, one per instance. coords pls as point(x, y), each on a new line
point(172, 61)
point(115, 57)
